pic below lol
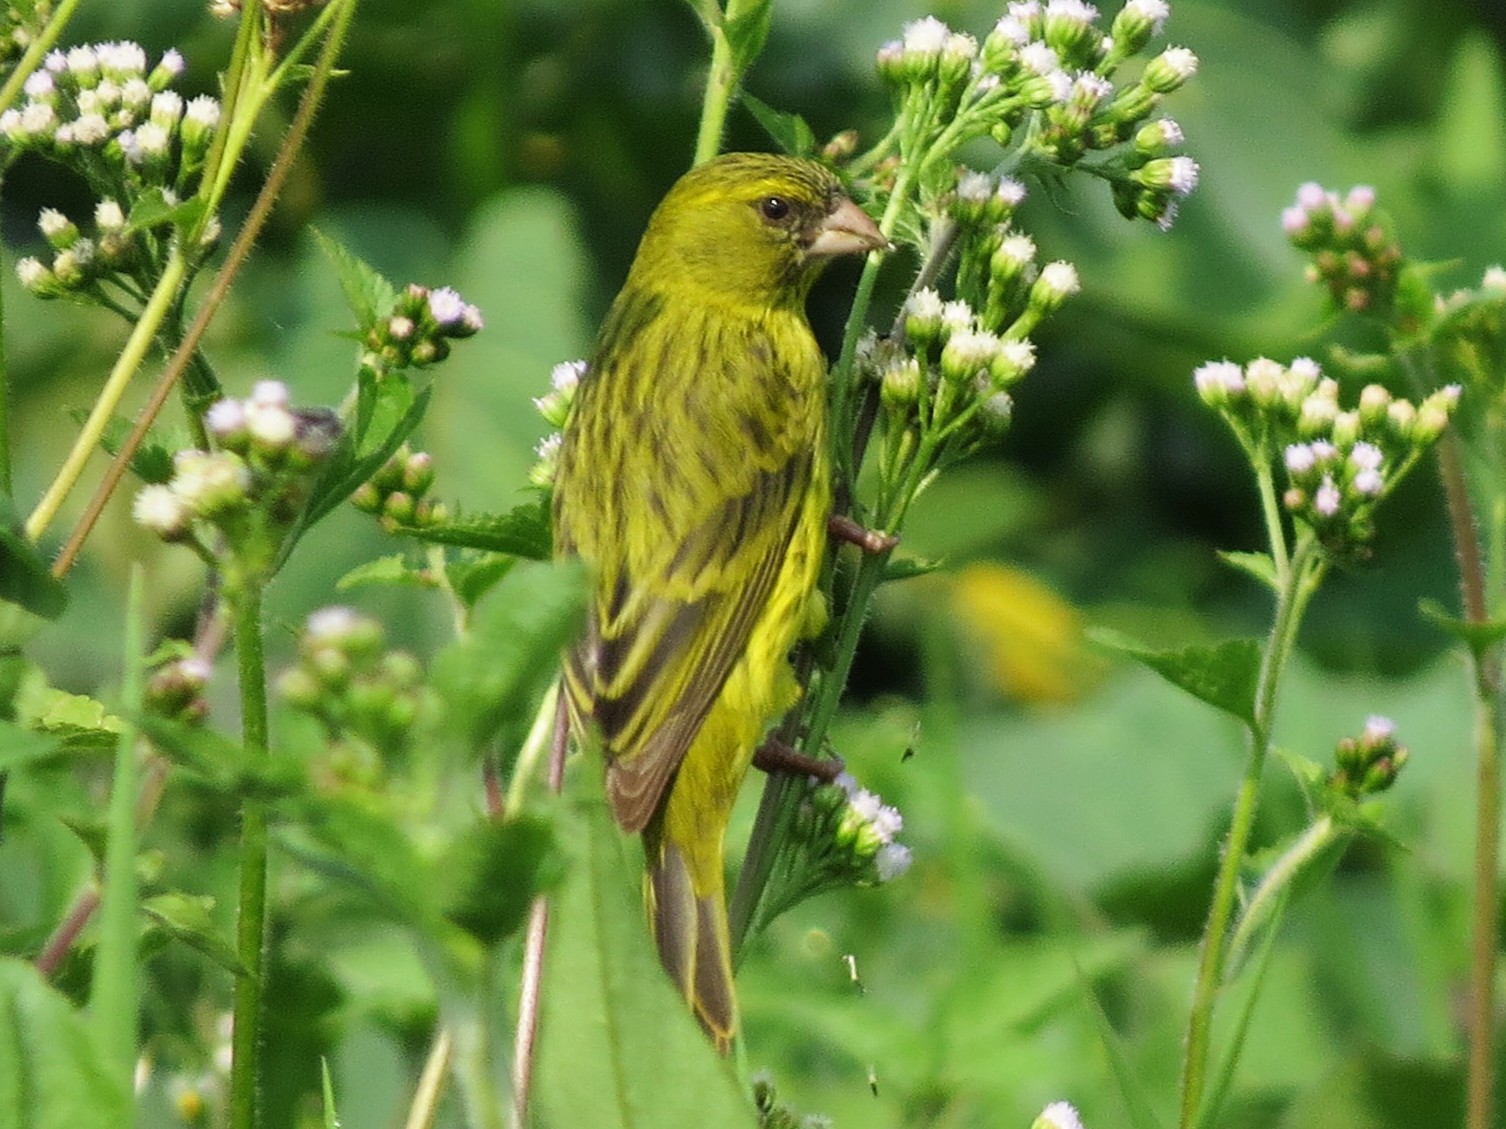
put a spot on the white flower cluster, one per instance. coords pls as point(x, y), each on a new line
point(99, 110)
point(1055, 61)
point(418, 330)
point(1339, 462)
point(868, 827)
point(266, 451)
point(554, 406)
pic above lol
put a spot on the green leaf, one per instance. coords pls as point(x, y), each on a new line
point(327, 1091)
point(521, 532)
point(618, 1048)
point(1141, 1114)
point(53, 1074)
point(489, 876)
point(474, 576)
point(747, 30)
point(489, 678)
point(1223, 675)
point(369, 295)
point(25, 574)
point(19, 745)
point(907, 568)
point(79, 722)
point(384, 570)
point(1258, 565)
point(1478, 637)
point(204, 752)
point(153, 208)
point(189, 918)
point(789, 131)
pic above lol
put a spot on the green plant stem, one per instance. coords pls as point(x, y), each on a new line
point(251, 920)
point(116, 981)
point(1264, 902)
point(33, 54)
point(5, 454)
point(1475, 600)
point(130, 359)
point(721, 83)
point(1296, 585)
point(235, 258)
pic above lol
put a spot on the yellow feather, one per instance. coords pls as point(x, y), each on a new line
point(693, 481)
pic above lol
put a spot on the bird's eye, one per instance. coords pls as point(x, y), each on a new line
point(774, 208)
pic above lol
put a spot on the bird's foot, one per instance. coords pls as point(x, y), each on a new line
point(775, 756)
point(873, 541)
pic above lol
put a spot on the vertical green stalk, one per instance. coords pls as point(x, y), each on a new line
point(5, 455)
point(251, 921)
point(721, 82)
point(1475, 599)
point(113, 997)
point(1297, 584)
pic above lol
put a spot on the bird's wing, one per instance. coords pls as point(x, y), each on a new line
point(683, 496)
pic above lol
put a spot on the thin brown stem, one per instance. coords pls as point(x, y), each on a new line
point(530, 991)
point(235, 258)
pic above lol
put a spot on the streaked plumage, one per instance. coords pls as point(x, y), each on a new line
point(693, 481)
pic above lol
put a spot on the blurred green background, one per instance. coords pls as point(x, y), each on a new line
point(1064, 813)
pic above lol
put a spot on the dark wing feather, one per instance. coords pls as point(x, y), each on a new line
point(680, 493)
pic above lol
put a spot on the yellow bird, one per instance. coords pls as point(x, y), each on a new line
point(693, 482)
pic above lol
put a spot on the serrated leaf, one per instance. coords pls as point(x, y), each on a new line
point(80, 723)
point(152, 462)
point(25, 574)
point(1478, 637)
point(1258, 565)
point(521, 532)
point(489, 678)
point(369, 295)
point(1223, 675)
point(53, 1073)
point(489, 876)
point(617, 1047)
point(789, 131)
point(474, 577)
point(384, 570)
point(190, 918)
point(153, 209)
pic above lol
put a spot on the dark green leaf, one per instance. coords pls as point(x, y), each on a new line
point(522, 532)
point(190, 919)
point(1258, 565)
point(204, 752)
point(489, 876)
point(369, 295)
point(490, 678)
point(618, 1049)
point(1223, 675)
point(789, 131)
point(53, 1074)
point(1478, 637)
point(327, 1091)
point(25, 574)
point(152, 462)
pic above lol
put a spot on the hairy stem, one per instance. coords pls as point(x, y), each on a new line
point(186, 351)
point(1475, 600)
point(1297, 584)
point(251, 920)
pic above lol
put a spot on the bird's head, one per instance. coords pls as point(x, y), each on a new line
point(751, 227)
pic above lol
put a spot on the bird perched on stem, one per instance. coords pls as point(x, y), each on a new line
point(693, 482)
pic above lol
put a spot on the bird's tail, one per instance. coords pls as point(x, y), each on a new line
point(689, 909)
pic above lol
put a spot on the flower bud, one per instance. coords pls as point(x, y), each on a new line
point(1169, 70)
point(923, 314)
point(900, 387)
point(159, 509)
point(59, 231)
point(1136, 23)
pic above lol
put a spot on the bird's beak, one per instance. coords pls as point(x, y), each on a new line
point(846, 230)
